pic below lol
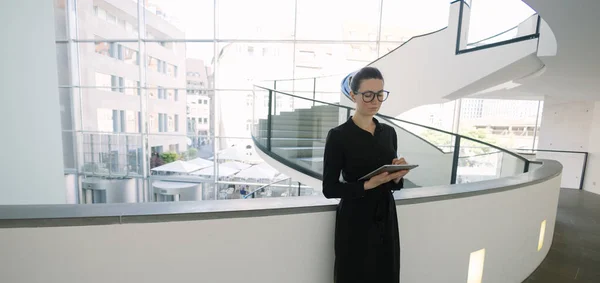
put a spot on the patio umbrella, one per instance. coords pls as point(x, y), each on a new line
point(178, 167)
point(224, 171)
point(258, 172)
point(236, 165)
point(203, 163)
point(238, 153)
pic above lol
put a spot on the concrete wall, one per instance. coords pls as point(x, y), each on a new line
point(592, 178)
point(32, 167)
point(572, 126)
point(436, 241)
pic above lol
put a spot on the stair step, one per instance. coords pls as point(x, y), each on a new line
point(293, 142)
point(298, 152)
point(296, 121)
point(292, 134)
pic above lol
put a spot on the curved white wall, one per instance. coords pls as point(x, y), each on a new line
point(437, 238)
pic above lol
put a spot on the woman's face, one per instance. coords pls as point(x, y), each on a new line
point(368, 90)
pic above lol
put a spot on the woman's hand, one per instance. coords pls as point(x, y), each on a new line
point(383, 178)
point(403, 173)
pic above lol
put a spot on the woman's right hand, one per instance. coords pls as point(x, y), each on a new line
point(382, 178)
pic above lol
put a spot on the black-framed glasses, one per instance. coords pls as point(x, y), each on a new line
point(368, 96)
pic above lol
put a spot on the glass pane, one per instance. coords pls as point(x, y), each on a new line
point(299, 129)
point(573, 164)
point(108, 64)
point(60, 19)
point(111, 154)
point(179, 19)
point(64, 66)
point(282, 186)
point(479, 162)
point(111, 110)
point(495, 21)
point(352, 20)
point(200, 112)
point(403, 19)
point(257, 19)
point(315, 60)
point(109, 20)
point(165, 64)
point(431, 149)
point(260, 111)
point(240, 64)
point(439, 116)
point(505, 123)
point(66, 106)
point(68, 142)
point(235, 155)
point(387, 47)
point(235, 113)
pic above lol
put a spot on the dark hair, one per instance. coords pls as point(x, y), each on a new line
point(364, 74)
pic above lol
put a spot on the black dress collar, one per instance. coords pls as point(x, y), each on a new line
point(378, 126)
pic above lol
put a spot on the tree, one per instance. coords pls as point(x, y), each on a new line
point(169, 157)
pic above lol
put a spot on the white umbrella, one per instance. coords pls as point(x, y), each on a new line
point(178, 167)
point(203, 163)
point(223, 171)
point(235, 165)
point(238, 153)
point(257, 172)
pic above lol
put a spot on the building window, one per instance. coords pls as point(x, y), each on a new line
point(117, 83)
point(205, 120)
point(111, 18)
point(176, 123)
point(128, 55)
point(103, 48)
point(100, 13)
point(161, 93)
point(176, 95)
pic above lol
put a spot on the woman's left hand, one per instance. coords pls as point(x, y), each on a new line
point(400, 161)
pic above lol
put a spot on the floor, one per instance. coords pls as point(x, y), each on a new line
point(575, 252)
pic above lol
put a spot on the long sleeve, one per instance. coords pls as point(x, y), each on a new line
point(333, 163)
point(400, 184)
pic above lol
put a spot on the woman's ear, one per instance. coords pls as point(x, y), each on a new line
point(353, 96)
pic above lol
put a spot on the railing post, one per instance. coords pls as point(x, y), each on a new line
point(275, 98)
point(526, 166)
point(314, 89)
point(269, 121)
point(585, 158)
point(455, 160)
point(347, 113)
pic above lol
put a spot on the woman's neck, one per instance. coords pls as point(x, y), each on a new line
point(364, 122)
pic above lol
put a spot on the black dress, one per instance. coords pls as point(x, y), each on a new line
point(367, 245)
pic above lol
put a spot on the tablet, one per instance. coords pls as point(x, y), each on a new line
point(388, 168)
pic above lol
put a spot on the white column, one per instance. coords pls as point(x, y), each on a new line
point(31, 170)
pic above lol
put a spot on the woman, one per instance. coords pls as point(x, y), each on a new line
point(367, 247)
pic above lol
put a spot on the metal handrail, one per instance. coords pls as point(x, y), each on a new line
point(402, 121)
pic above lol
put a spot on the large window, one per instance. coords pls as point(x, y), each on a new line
point(150, 82)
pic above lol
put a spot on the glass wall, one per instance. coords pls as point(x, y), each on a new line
point(149, 87)
point(511, 124)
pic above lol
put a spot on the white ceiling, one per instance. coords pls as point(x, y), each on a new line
point(574, 73)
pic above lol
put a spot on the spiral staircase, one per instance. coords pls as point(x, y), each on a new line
point(432, 68)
